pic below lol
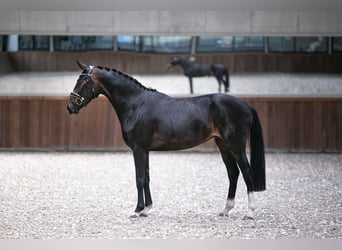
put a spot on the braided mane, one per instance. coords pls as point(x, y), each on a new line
point(128, 77)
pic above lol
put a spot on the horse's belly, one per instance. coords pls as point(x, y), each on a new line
point(178, 141)
point(171, 144)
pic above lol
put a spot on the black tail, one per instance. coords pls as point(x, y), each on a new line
point(257, 153)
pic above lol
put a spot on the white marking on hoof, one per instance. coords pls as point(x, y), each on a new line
point(251, 207)
point(251, 201)
point(229, 206)
point(143, 213)
point(148, 209)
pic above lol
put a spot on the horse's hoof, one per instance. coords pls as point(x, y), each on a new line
point(146, 211)
point(223, 214)
point(250, 214)
point(248, 217)
point(143, 214)
point(134, 216)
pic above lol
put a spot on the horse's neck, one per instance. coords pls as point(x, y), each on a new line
point(185, 64)
point(121, 91)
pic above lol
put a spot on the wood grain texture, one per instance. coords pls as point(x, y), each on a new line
point(145, 63)
point(43, 122)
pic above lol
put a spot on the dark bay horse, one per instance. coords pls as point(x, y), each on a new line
point(195, 70)
point(153, 121)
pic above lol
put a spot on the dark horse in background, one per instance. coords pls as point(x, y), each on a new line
point(153, 121)
point(195, 70)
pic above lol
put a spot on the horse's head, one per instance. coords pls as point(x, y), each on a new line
point(85, 90)
point(174, 61)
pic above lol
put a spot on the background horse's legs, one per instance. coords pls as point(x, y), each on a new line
point(142, 181)
point(191, 87)
point(226, 81)
point(219, 79)
point(233, 175)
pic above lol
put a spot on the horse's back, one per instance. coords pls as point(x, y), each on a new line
point(223, 105)
point(218, 66)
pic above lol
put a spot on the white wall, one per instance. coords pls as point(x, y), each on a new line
point(203, 22)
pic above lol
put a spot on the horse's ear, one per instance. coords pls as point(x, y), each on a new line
point(82, 65)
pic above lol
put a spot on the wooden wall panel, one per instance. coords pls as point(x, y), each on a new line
point(300, 123)
point(143, 63)
point(43, 122)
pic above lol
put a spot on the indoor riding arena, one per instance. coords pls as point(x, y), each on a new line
point(72, 176)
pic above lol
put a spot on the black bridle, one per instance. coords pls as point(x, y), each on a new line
point(79, 100)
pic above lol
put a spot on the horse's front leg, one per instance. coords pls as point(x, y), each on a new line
point(148, 198)
point(141, 161)
point(191, 86)
point(219, 83)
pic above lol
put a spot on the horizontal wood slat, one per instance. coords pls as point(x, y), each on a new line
point(144, 63)
point(43, 122)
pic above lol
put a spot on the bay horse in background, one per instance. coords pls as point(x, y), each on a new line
point(153, 121)
point(195, 70)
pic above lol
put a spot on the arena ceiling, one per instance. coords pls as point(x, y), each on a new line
point(172, 17)
point(222, 5)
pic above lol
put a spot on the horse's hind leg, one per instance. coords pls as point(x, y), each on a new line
point(218, 78)
point(233, 175)
point(234, 160)
point(241, 159)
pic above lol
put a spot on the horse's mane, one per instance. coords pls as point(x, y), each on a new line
point(131, 79)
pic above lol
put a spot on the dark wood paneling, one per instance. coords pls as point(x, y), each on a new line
point(43, 122)
point(141, 63)
point(5, 64)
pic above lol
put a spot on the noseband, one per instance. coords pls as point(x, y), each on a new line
point(79, 99)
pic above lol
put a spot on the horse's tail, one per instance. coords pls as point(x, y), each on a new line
point(257, 153)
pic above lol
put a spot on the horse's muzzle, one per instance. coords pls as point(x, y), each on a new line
point(72, 109)
point(169, 66)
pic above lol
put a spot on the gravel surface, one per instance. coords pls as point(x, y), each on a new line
point(61, 83)
point(55, 195)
